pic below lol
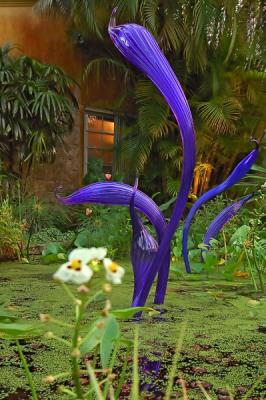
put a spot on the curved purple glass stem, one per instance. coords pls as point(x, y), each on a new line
point(118, 194)
point(140, 48)
point(114, 193)
point(222, 218)
point(143, 249)
point(238, 173)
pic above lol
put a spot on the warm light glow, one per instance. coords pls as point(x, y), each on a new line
point(101, 138)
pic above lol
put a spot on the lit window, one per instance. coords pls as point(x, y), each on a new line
point(99, 139)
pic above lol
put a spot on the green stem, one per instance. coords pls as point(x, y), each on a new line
point(250, 270)
point(258, 268)
point(29, 238)
point(225, 246)
point(94, 383)
point(68, 391)
point(75, 359)
point(175, 359)
point(27, 371)
point(89, 301)
point(122, 377)
point(89, 395)
point(68, 291)
point(111, 366)
point(135, 383)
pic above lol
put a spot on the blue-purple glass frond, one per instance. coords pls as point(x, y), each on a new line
point(223, 218)
point(140, 48)
point(144, 246)
point(238, 173)
point(151, 257)
point(143, 249)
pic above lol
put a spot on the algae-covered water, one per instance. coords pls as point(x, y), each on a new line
point(224, 344)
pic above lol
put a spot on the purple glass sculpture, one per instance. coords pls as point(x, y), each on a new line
point(238, 173)
point(223, 218)
point(149, 258)
point(140, 48)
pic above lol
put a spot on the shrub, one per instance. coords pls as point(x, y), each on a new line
point(108, 227)
point(10, 232)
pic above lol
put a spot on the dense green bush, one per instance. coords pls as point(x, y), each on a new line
point(108, 227)
point(10, 232)
point(52, 235)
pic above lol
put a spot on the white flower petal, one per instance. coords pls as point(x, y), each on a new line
point(107, 262)
point(82, 276)
point(63, 274)
point(98, 252)
point(80, 254)
point(86, 255)
point(115, 277)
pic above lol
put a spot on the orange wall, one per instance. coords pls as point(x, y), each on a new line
point(40, 37)
point(46, 38)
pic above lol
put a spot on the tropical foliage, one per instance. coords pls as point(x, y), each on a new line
point(36, 111)
point(216, 49)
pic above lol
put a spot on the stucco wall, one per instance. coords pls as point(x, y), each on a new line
point(46, 39)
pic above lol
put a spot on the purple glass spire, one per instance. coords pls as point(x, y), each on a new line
point(140, 48)
point(238, 173)
point(149, 257)
point(223, 218)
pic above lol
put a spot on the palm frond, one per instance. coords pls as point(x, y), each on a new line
point(130, 7)
point(105, 66)
point(52, 6)
point(220, 114)
point(154, 117)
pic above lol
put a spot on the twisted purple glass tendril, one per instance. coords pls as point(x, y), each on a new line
point(223, 218)
point(236, 175)
point(120, 194)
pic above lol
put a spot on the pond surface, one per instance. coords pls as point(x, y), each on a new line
point(224, 344)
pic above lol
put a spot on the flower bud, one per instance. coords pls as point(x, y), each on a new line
point(107, 288)
point(48, 379)
point(111, 377)
point(100, 325)
point(83, 289)
point(75, 353)
point(45, 317)
point(49, 335)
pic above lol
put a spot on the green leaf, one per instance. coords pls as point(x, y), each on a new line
point(165, 206)
point(127, 313)
point(16, 330)
point(7, 316)
point(61, 256)
point(196, 268)
point(177, 251)
point(94, 336)
point(53, 248)
point(240, 235)
point(81, 239)
point(50, 259)
point(111, 334)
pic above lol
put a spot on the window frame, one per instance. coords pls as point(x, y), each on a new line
point(103, 114)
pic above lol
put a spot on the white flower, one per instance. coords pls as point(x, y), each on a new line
point(76, 269)
point(87, 255)
point(114, 273)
